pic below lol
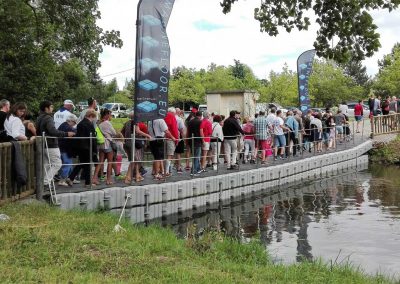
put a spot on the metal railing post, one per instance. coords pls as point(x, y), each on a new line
point(217, 155)
point(91, 159)
point(193, 155)
point(39, 167)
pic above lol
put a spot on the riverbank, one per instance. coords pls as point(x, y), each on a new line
point(386, 153)
point(44, 244)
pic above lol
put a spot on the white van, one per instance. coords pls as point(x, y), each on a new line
point(117, 109)
point(202, 108)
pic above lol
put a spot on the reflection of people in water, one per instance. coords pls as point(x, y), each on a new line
point(249, 224)
point(359, 196)
point(266, 213)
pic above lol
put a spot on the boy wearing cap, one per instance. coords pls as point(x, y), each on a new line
point(65, 111)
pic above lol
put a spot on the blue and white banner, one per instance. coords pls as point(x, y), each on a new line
point(152, 66)
point(304, 69)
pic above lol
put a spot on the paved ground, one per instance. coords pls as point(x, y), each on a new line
point(358, 139)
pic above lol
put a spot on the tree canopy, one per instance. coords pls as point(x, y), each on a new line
point(50, 49)
point(347, 21)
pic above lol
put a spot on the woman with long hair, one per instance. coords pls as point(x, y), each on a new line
point(106, 149)
point(13, 123)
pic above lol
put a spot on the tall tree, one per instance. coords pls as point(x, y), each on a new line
point(37, 39)
point(347, 20)
point(387, 80)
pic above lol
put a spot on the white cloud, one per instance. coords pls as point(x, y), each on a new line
point(200, 33)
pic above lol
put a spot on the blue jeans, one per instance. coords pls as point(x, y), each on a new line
point(196, 161)
point(65, 169)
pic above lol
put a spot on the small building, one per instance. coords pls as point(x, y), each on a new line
point(222, 102)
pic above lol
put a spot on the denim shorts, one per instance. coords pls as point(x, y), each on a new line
point(339, 129)
point(280, 141)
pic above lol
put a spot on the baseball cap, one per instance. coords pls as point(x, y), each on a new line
point(68, 102)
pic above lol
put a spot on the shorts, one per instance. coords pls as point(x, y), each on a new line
point(180, 148)
point(339, 129)
point(358, 117)
point(205, 146)
point(264, 144)
point(157, 149)
point(105, 150)
point(280, 141)
point(170, 147)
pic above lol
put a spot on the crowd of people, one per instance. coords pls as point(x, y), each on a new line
point(196, 143)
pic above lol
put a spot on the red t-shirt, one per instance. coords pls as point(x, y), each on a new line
point(207, 129)
point(143, 127)
point(358, 109)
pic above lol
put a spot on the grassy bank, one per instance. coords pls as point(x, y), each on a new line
point(386, 153)
point(43, 244)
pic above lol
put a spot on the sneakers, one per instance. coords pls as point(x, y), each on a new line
point(252, 161)
point(62, 182)
point(76, 181)
point(69, 182)
point(179, 171)
point(275, 158)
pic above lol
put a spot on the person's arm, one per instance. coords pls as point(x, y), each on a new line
point(52, 131)
point(31, 127)
point(238, 128)
point(141, 133)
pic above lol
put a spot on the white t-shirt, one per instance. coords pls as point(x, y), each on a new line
point(179, 122)
point(270, 118)
point(277, 123)
point(217, 131)
point(14, 126)
point(157, 128)
point(344, 108)
point(61, 116)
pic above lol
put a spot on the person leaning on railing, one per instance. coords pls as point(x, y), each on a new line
point(82, 144)
point(13, 123)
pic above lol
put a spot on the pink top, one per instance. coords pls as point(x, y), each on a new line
point(248, 128)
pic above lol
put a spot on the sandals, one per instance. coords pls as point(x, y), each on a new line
point(109, 182)
point(158, 177)
point(139, 179)
point(127, 181)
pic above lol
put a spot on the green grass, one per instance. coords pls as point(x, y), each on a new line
point(118, 123)
point(43, 244)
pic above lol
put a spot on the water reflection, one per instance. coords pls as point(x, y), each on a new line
point(355, 217)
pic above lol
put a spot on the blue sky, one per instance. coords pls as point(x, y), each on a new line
point(200, 33)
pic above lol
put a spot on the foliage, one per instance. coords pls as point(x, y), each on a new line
point(44, 244)
point(330, 86)
point(386, 153)
point(346, 20)
point(281, 88)
point(387, 81)
point(49, 49)
point(185, 86)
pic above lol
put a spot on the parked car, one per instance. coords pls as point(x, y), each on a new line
point(267, 106)
point(117, 109)
point(318, 110)
point(350, 111)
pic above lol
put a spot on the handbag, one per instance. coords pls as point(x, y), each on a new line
point(99, 136)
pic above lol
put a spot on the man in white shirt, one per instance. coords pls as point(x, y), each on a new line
point(63, 113)
point(158, 130)
point(278, 126)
